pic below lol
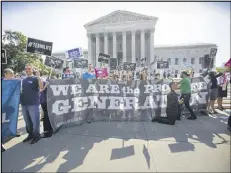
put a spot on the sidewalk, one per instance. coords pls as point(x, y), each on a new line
point(189, 146)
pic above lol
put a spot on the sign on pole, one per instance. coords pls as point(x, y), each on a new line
point(39, 46)
point(54, 62)
point(103, 58)
point(74, 54)
point(162, 65)
point(129, 66)
point(81, 63)
point(4, 58)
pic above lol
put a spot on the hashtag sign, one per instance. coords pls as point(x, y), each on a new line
point(30, 44)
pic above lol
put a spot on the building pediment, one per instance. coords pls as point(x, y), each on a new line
point(120, 17)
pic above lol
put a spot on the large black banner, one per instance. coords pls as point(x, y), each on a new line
point(81, 63)
point(39, 46)
point(54, 62)
point(3, 57)
point(72, 101)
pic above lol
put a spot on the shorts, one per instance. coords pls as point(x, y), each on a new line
point(222, 93)
point(213, 94)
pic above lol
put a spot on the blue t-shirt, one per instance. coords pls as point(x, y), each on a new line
point(87, 76)
point(30, 91)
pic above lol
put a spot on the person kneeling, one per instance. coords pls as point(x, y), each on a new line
point(173, 107)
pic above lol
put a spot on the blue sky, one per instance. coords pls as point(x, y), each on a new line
point(179, 22)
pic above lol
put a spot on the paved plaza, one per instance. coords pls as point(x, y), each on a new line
point(189, 146)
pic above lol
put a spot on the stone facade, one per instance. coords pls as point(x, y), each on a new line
point(124, 35)
point(129, 37)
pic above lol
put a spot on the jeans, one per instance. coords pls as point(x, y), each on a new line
point(46, 121)
point(186, 103)
point(31, 116)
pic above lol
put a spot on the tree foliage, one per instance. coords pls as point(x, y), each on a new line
point(15, 44)
point(221, 69)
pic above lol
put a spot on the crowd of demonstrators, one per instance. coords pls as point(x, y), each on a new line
point(34, 94)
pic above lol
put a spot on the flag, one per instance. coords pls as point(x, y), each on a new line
point(10, 107)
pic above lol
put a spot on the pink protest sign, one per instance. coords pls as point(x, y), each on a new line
point(101, 72)
point(228, 64)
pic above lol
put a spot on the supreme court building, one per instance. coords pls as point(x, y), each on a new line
point(129, 37)
point(124, 35)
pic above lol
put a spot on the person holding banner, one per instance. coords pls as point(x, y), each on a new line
point(8, 75)
point(30, 104)
point(185, 89)
point(47, 129)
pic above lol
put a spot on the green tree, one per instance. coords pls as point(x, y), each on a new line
point(15, 44)
point(221, 69)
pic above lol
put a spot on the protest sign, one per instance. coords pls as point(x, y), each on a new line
point(81, 63)
point(68, 76)
point(113, 63)
point(54, 62)
point(39, 46)
point(72, 101)
point(162, 64)
point(3, 57)
point(74, 54)
point(129, 66)
point(101, 72)
point(120, 67)
point(103, 58)
point(10, 107)
point(213, 52)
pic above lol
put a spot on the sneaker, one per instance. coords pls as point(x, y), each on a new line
point(192, 118)
point(46, 135)
point(28, 138)
point(17, 134)
point(35, 140)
